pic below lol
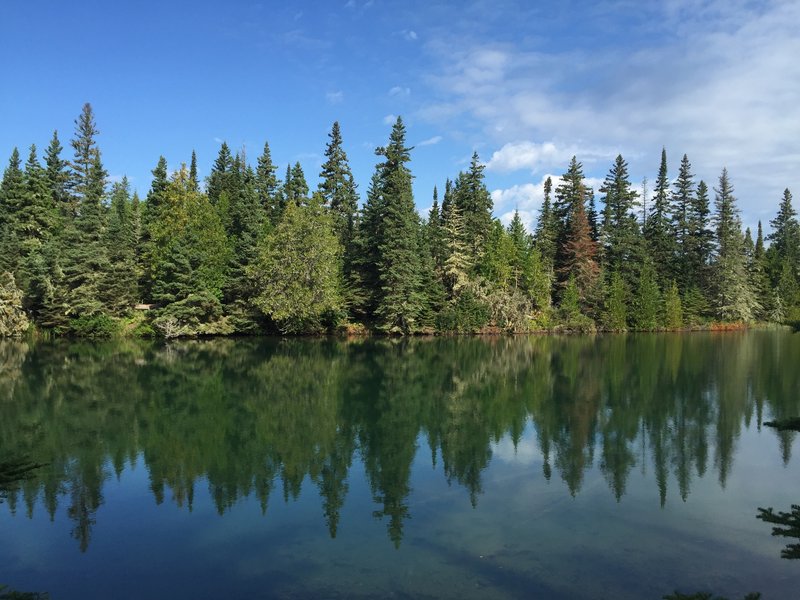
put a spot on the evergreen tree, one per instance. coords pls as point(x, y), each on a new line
point(86, 264)
point(457, 265)
point(338, 188)
point(190, 248)
point(150, 219)
point(616, 314)
point(580, 256)
point(658, 231)
point(733, 299)
point(297, 269)
point(363, 285)
point(759, 278)
point(194, 183)
point(400, 301)
point(58, 176)
point(475, 203)
point(268, 186)
point(699, 243)
point(648, 300)
point(621, 236)
point(682, 200)
point(546, 233)
point(295, 188)
point(785, 240)
point(673, 310)
point(218, 185)
point(568, 195)
point(121, 242)
point(12, 192)
point(435, 233)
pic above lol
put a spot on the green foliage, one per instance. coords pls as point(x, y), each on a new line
point(673, 309)
point(95, 326)
point(196, 315)
point(296, 273)
point(466, 314)
point(616, 313)
point(658, 229)
point(13, 320)
point(647, 304)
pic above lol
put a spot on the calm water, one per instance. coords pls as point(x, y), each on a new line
point(584, 467)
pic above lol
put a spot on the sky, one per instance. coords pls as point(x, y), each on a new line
point(525, 84)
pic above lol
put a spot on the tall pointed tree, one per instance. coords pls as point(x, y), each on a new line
point(621, 237)
point(658, 230)
point(268, 186)
point(400, 301)
point(733, 298)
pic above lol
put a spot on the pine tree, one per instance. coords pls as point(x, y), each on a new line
point(194, 183)
point(86, 264)
point(682, 200)
point(152, 213)
point(295, 188)
point(785, 240)
point(580, 256)
point(658, 230)
point(435, 233)
point(218, 185)
point(338, 187)
point(699, 241)
point(616, 314)
point(363, 284)
point(733, 299)
point(268, 186)
point(546, 233)
point(475, 203)
point(568, 195)
point(58, 177)
point(648, 300)
point(521, 246)
point(673, 310)
point(12, 193)
point(121, 241)
point(400, 301)
point(620, 233)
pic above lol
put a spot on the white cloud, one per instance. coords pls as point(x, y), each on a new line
point(409, 35)
point(389, 119)
point(402, 92)
point(527, 198)
point(718, 81)
point(335, 97)
point(535, 157)
point(430, 141)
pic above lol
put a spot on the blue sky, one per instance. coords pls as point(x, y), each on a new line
point(525, 84)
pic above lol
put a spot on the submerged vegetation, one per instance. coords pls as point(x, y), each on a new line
point(245, 252)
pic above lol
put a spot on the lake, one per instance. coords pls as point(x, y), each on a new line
point(619, 466)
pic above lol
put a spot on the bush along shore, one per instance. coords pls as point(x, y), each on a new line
point(246, 252)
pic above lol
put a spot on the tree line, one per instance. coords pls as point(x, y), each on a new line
point(247, 252)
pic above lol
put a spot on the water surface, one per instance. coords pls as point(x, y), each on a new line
point(577, 467)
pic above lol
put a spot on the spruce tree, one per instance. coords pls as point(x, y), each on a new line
point(647, 303)
point(363, 285)
point(151, 214)
point(86, 264)
point(12, 193)
point(475, 203)
point(546, 233)
point(616, 313)
point(658, 231)
point(699, 241)
point(194, 183)
point(620, 233)
point(121, 241)
point(338, 188)
point(58, 176)
point(733, 299)
point(785, 241)
point(681, 207)
point(568, 195)
point(580, 256)
point(268, 186)
point(295, 188)
point(400, 300)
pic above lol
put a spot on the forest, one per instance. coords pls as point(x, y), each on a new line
point(245, 252)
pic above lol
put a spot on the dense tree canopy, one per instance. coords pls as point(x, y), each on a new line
point(244, 252)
